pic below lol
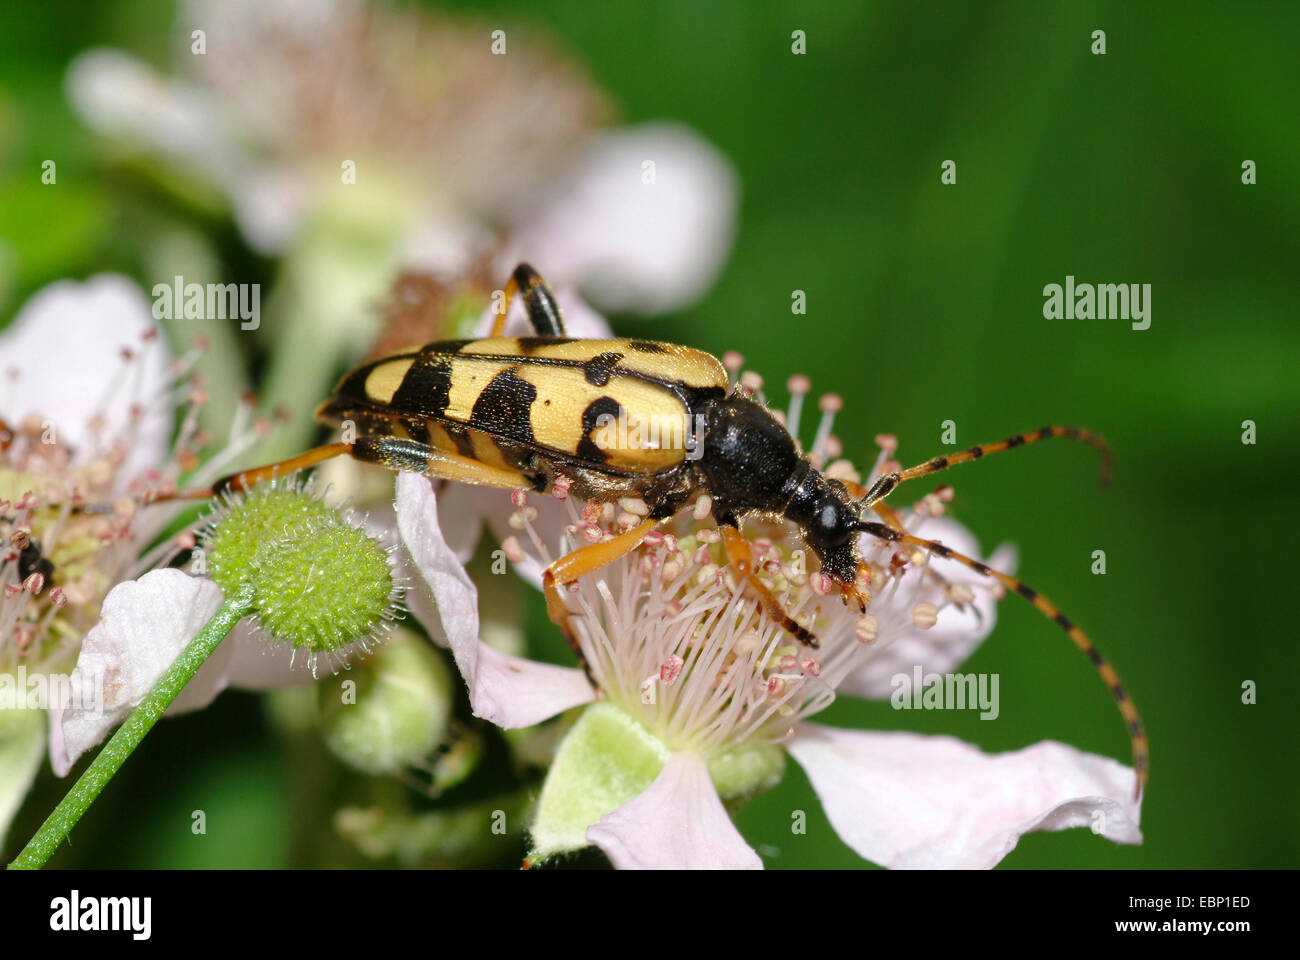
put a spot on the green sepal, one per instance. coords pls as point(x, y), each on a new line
point(605, 760)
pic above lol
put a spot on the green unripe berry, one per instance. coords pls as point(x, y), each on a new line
point(238, 529)
point(322, 586)
point(320, 582)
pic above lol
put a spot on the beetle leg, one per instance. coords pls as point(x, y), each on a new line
point(235, 481)
point(540, 303)
point(247, 478)
point(741, 557)
point(884, 510)
point(572, 566)
point(395, 453)
point(399, 453)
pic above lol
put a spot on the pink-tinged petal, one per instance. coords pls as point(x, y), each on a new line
point(504, 690)
point(677, 823)
point(633, 236)
point(85, 326)
point(514, 692)
point(448, 610)
point(956, 635)
point(144, 625)
point(460, 515)
point(908, 801)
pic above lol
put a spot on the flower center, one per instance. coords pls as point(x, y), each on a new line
point(676, 642)
point(57, 562)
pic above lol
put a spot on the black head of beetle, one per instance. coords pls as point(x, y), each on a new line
point(749, 462)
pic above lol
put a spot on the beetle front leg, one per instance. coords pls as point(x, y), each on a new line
point(741, 557)
point(577, 564)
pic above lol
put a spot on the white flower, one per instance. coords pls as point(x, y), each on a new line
point(87, 414)
point(701, 695)
point(91, 395)
point(449, 141)
point(644, 222)
point(88, 405)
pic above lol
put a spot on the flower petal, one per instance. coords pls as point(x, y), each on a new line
point(120, 96)
point(87, 325)
point(516, 692)
point(506, 690)
point(632, 244)
point(144, 625)
point(908, 801)
point(952, 639)
point(677, 823)
point(449, 610)
point(460, 518)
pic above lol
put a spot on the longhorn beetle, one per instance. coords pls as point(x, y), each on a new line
point(516, 412)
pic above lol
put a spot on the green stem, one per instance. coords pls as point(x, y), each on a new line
point(83, 793)
point(325, 316)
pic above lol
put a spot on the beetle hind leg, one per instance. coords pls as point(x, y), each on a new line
point(238, 482)
point(395, 453)
point(539, 302)
point(399, 453)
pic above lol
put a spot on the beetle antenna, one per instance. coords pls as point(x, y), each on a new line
point(886, 484)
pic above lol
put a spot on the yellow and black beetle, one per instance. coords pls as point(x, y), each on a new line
point(516, 412)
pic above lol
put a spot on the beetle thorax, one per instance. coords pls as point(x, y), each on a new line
point(749, 459)
point(751, 463)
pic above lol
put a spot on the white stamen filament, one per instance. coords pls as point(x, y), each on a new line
point(681, 648)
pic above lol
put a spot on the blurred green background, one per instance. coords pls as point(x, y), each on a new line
point(924, 305)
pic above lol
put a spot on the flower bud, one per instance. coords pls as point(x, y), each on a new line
point(392, 710)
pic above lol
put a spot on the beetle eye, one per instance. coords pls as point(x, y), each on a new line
point(832, 528)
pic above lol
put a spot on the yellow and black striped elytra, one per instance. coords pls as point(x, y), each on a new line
point(519, 412)
point(532, 403)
